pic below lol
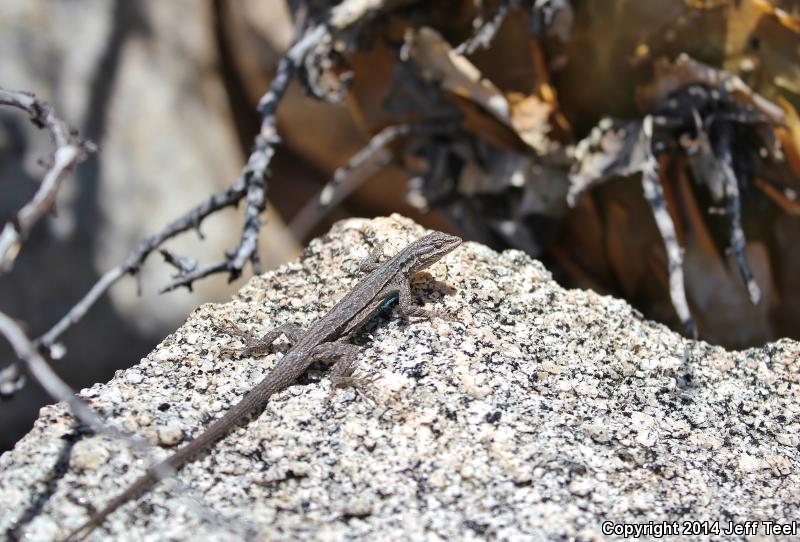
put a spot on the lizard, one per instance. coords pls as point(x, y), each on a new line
point(324, 341)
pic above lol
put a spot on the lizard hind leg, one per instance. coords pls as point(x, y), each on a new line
point(260, 346)
point(342, 357)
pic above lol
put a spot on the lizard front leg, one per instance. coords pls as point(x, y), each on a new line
point(260, 346)
point(407, 306)
point(370, 263)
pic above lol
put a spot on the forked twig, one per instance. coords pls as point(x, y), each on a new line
point(70, 150)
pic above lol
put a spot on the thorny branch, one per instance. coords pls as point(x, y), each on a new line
point(250, 185)
point(10, 377)
point(70, 150)
point(255, 172)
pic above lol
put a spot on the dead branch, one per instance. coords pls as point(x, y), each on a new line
point(250, 185)
point(190, 220)
point(733, 210)
point(255, 172)
point(70, 150)
point(330, 194)
point(360, 168)
point(654, 195)
point(60, 391)
point(41, 371)
point(625, 148)
point(485, 31)
point(10, 376)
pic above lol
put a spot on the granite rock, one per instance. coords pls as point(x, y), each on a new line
point(525, 412)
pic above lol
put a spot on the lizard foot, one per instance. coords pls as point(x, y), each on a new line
point(363, 386)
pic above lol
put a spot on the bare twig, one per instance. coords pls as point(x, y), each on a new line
point(654, 195)
point(134, 261)
point(623, 148)
point(733, 210)
point(485, 31)
point(81, 307)
point(359, 169)
point(314, 211)
point(60, 391)
point(378, 142)
point(70, 150)
point(10, 376)
point(255, 171)
point(41, 371)
point(189, 220)
point(250, 185)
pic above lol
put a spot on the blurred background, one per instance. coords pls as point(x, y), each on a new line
point(534, 138)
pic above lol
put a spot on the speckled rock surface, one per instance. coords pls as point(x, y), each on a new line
point(531, 413)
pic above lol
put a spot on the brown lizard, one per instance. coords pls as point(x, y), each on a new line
point(325, 341)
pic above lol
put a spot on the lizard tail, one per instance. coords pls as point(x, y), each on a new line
point(133, 492)
point(216, 430)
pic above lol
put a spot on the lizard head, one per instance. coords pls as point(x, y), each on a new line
point(431, 248)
